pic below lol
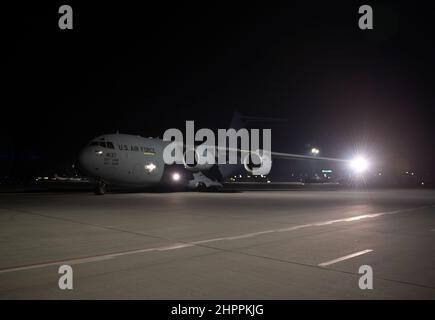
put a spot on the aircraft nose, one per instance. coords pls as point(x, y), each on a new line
point(86, 159)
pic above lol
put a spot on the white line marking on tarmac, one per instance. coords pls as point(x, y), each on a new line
point(349, 256)
point(180, 245)
point(95, 258)
point(56, 263)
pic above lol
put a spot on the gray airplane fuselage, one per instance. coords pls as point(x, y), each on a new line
point(124, 160)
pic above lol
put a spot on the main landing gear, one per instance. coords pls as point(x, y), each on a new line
point(202, 183)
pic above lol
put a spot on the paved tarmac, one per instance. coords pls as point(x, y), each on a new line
point(230, 245)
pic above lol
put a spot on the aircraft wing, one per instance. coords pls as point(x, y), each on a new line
point(292, 156)
point(287, 156)
point(227, 170)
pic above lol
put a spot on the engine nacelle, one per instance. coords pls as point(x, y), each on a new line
point(257, 163)
point(195, 166)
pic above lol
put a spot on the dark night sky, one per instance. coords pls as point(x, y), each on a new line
point(143, 69)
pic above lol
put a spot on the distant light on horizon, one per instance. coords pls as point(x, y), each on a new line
point(315, 151)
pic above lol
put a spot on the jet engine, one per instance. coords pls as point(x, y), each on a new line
point(191, 159)
point(257, 163)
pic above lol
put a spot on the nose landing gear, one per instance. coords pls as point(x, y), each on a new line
point(100, 188)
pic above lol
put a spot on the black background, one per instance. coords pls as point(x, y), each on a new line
point(272, 309)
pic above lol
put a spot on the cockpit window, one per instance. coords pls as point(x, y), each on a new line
point(102, 144)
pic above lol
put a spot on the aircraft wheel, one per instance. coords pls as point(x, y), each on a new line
point(214, 189)
point(100, 189)
point(201, 187)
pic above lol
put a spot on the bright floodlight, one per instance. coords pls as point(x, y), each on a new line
point(315, 151)
point(359, 164)
point(176, 176)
